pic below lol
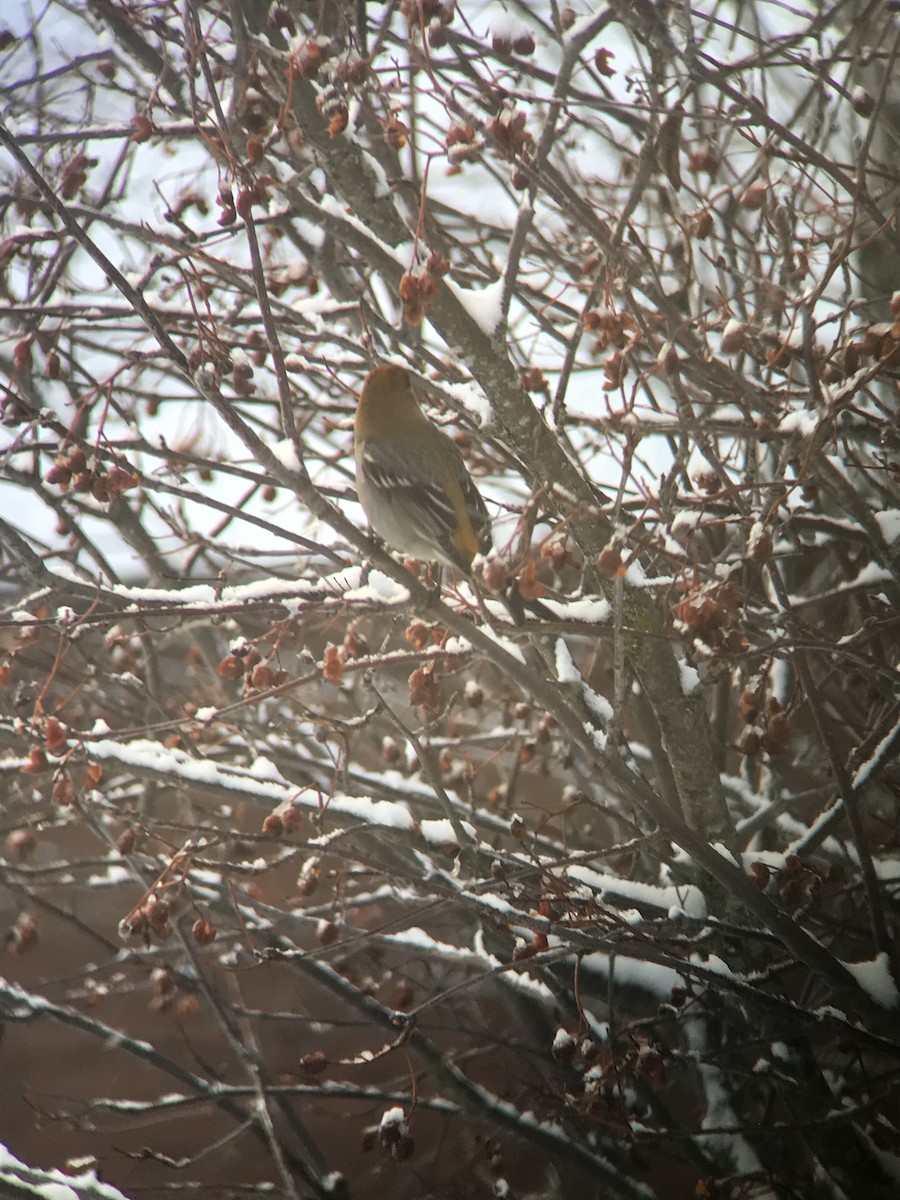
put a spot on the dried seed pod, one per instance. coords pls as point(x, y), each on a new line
point(203, 932)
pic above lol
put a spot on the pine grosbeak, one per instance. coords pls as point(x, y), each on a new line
point(411, 479)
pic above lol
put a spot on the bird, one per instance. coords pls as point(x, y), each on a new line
point(411, 479)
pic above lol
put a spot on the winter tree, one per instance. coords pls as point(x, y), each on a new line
point(327, 873)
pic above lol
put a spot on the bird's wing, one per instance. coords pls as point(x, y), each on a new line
point(403, 482)
point(476, 508)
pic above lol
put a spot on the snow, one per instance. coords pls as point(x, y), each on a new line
point(510, 647)
point(774, 859)
point(592, 610)
point(452, 645)
point(810, 834)
point(597, 736)
point(442, 833)
point(379, 588)
point(340, 587)
point(493, 901)
point(114, 874)
point(878, 755)
point(713, 964)
point(52, 1184)
point(563, 1041)
point(472, 400)
point(874, 976)
point(383, 185)
point(836, 461)
point(721, 849)
point(730, 1147)
point(387, 813)
point(804, 421)
point(394, 1118)
point(29, 1002)
point(153, 757)
point(757, 529)
point(286, 453)
point(264, 768)
point(889, 524)
point(887, 869)
point(690, 679)
point(686, 520)
point(649, 977)
point(687, 897)
point(725, 1142)
point(314, 308)
point(198, 595)
point(635, 576)
point(402, 254)
point(418, 940)
point(733, 327)
point(599, 705)
point(870, 575)
point(507, 26)
point(296, 363)
point(566, 671)
point(485, 307)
